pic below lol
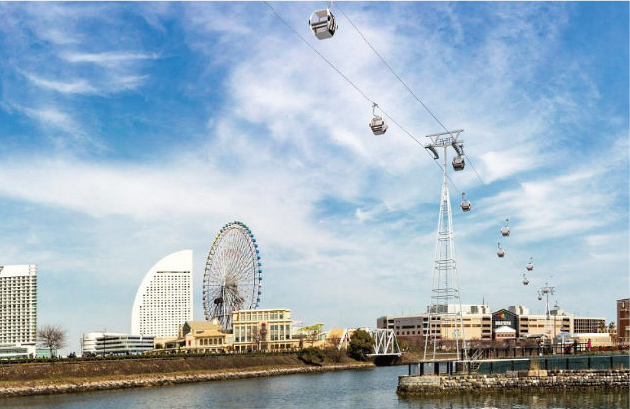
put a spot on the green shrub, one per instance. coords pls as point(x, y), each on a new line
point(311, 355)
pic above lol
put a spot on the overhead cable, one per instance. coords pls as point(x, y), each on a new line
point(356, 88)
point(404, 84)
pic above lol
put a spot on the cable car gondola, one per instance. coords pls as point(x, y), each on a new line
point(500, 252)
point(505, 230)
point(377, 124)
point(530, 265)
point(323, 23)
point(465, 204)
point(525, 280)
point(458, 163)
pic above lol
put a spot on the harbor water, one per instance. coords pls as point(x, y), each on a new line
point(367, 388)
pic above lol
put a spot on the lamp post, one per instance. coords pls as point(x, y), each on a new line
point(545, 291)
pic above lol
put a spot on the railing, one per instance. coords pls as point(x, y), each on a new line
point(520, 364)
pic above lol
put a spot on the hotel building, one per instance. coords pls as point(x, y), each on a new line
point(18, 308)
point(164, 299)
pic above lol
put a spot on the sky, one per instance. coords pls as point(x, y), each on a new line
point(129, 131)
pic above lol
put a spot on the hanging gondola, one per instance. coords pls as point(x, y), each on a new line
point(530, 265)
point(377, 124)
point(458, 163)
point(505, 230)
point(465, 204)
point(500, 252)
point(323, 23)
point(525, 280)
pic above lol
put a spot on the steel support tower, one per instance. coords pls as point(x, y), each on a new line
point(445, 308)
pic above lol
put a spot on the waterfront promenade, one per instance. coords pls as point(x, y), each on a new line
point(541, 373)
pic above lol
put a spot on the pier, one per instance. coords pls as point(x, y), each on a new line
point(449, 376)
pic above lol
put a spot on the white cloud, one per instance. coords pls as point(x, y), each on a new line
point(73, 87)
point(53, 117)
point(109, 58)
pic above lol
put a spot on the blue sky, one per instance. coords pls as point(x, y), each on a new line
point(129, 131)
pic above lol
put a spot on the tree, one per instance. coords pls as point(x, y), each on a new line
point(311, 355)
point(360, 345)
point(51, 337)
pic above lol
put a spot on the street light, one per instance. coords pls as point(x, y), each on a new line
point(545, 292)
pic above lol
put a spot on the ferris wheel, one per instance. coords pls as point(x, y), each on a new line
point(233, 276)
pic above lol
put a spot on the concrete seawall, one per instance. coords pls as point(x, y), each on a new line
point(149, 380)
point(514, 381)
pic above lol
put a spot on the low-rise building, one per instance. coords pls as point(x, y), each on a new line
point(205, 337)
point(115, 343)
point(479, 324)
point(623, 321)
point(476, 321)
point(17, 351)
point(263, 330)
point(252, 330)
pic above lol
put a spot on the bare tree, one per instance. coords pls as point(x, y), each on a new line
point(51, 337)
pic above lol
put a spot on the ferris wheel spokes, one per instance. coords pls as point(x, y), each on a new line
point(233, 274)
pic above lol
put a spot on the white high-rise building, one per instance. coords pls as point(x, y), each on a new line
point(164, 300)
point(18, 305)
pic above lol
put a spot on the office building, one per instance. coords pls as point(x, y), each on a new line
point(164, 299)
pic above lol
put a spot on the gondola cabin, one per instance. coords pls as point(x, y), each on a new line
point(458, 163)
point(500, 252)
point(378, 125)
point(529, 266)
point(465, 205)
point(323, 24)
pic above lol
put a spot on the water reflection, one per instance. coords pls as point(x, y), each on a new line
point(364, 389)
point(617, 399)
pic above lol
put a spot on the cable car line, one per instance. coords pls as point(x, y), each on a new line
point(356, 87)
point(404, 84)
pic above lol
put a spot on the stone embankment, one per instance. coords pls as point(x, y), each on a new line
point(514, 381)
point(148, 380)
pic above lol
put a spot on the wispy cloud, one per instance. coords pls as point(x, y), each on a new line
point(110, 58)
point(54, 118)
point(74, 87)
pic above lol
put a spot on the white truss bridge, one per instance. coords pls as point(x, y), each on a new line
point(385, 343)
